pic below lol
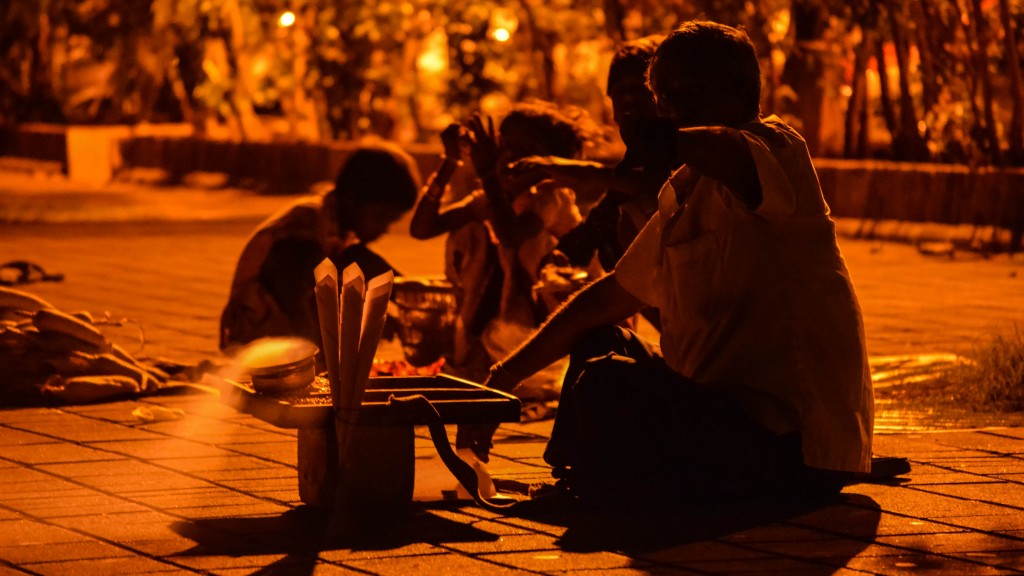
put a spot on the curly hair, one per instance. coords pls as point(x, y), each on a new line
point(558, 130)
point(379, 172)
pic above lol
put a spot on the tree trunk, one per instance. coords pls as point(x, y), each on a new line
point(858, 97)
point(981, 34)
point(925, 47)
point(1012, 56)
point(241, 95)
point(909, 143)
point(540, 52)
point(888, 110)
point(804, 69)
point(613, 25)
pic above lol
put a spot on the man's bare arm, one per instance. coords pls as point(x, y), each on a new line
point(603, 303)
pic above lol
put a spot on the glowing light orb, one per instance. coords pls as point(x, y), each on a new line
point(501, 35)
point(286, 19)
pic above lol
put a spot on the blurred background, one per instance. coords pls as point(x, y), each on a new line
point(898, 79)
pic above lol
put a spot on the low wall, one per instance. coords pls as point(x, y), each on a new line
point(938, 193)
point(274, 167)
point(869, 190)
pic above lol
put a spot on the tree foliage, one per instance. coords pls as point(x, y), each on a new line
point(907, 79)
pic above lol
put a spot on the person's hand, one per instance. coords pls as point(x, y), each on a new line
point(483, 145)
point(453, 138)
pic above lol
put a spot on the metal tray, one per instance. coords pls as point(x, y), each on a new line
point(457, 401)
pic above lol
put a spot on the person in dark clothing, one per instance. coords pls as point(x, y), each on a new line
point(272, 290)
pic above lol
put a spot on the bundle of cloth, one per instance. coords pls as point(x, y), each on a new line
point(50, 356)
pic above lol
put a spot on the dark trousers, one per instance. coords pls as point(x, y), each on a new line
point(629, 424)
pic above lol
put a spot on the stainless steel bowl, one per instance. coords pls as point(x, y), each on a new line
point(278, 365)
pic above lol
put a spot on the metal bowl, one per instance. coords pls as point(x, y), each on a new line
point(278, 365)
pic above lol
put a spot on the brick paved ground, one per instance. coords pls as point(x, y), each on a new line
point(92, 490)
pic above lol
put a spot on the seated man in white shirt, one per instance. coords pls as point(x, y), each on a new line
point(761, 385)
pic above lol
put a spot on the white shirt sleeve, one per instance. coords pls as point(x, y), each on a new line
point(778, 199)
point(638, 269)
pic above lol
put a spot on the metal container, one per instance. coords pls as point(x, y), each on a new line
point(278, 365)
point(427, 313)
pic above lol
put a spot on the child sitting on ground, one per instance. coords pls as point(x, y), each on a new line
point(499, 234)
point(272, 290)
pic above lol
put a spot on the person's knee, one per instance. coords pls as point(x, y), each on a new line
point(603, 380)
point(599, 342)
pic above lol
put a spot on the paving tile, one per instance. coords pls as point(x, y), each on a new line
point(133, 565)
point(155, 450)
point(51, 552)
point(993, 467)
point(218, 562)
point(237, 511)
point(112, 412)
point(920, 563)
point(893, 524)
point(26, 532)
point(346, 553)
point(763, 566)
point(123, 528)
point(440, 563)
point(125, 472)
point(35, 415)
point(267, 471)
point(1015, 433)
point(1005, 522)
point(31, 492)
point(54, 452)
point(1009, 495)
point(11, 571)
point(960, 544)
point(194, 498)
point(77, 429)
point(222, 462)
point(698, 551)
point(164, 545)
point(285, 452)
point(779, 532)
point(254, 485)
point(90, 504)
point(13, 437)
point(926, 505)
point(925, 471)
point(491, 543)
point(641, 569)
point(980, 440)
point(21, 475)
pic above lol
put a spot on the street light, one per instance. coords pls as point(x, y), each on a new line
point(501, 35)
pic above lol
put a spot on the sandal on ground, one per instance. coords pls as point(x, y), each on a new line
point(24, 272)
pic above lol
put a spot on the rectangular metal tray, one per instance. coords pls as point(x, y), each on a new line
point(457, 401)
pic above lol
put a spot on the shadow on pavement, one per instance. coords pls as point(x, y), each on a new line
point(302, 534)
point(835, 531)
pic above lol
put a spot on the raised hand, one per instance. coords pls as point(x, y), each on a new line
point(483, 147)
point(453, 138)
